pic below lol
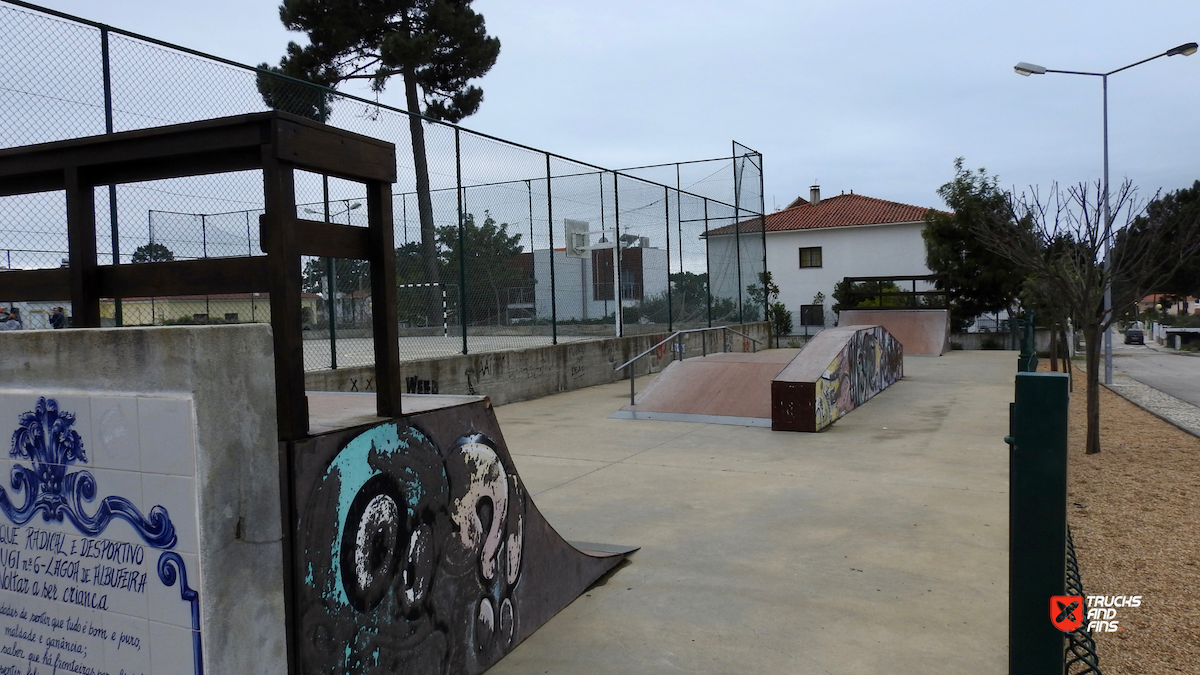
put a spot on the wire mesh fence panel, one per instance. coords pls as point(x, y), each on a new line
point(52, 81)
point(480, 224)
point(584, 232)
point(690, 273)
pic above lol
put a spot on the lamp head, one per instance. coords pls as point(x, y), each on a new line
point(1028, 69)
point(355, 205)
point(1184, 50)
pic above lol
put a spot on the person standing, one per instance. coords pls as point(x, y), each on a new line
point(57, 318)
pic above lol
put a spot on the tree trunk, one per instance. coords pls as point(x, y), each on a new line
point(429, 253)
point(1092, 338)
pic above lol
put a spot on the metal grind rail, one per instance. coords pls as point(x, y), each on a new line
point(678, 349)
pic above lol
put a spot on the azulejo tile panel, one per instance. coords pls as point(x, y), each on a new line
point(98, 564)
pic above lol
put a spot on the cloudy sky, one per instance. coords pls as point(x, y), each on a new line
point(864, 95)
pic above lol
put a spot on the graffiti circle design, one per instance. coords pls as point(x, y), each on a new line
point(370, 542)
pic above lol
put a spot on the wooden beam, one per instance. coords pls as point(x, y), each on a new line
point(186, 277)
point(48, 284)
point(384, 320)
point(318, 150)
point(81, 240)
point(177, 166)
point(285, 279)
point(331, 240)
point(133, 147)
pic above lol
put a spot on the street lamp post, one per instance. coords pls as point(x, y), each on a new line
point(1027, 69)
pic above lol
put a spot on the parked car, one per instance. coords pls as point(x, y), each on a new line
point(1134, 336)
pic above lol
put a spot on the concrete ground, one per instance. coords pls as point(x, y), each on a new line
point(876, 546)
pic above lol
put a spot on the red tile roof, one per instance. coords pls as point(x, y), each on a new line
point(836, 211)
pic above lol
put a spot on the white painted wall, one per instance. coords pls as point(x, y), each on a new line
point(853, 251)
point(573, 284)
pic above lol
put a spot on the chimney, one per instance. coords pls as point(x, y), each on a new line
point(814, 195)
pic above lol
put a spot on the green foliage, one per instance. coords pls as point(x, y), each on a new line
point(781, 320)
point(489, 254)
point(152, 252)
point(978, 280)
point(762, 295)
point(854, 295)
point(1175, 211)
point(437, 46)
point(351, 275)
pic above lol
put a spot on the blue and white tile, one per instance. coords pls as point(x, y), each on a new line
point(166, 603)
point(177, 494)
point(81, 407)
point(171, 650)
point(167, 432)
point(130, 652)
point(115, 433)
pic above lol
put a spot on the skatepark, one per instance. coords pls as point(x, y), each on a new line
point(877, 545)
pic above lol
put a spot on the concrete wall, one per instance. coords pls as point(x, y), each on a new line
point(975, 340)
point(522, 374)
point(219, 383)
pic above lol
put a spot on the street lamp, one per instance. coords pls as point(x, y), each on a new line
point(1027, 69)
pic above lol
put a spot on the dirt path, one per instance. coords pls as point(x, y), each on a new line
point(1134, 511)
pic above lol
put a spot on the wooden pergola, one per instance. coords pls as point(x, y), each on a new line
point(277, 144)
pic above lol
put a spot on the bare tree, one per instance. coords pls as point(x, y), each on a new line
point(1061, 240)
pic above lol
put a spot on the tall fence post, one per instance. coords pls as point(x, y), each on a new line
point(707, 265)
point(331, 277)
point(1037, 521)
point(617, 254)
point(667, 231)
point(737, 237)
point(118, 313)
point(550, 251)
point(462, 241)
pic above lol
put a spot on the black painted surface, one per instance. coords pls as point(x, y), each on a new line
point(416, 548)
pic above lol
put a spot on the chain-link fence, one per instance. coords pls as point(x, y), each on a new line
point(484, 257)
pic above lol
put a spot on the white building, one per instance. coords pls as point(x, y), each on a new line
point(584, 287)
point(814, 244)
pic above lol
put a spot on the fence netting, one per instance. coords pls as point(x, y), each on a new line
point(484, 258)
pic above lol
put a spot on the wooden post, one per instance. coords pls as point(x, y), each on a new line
point(81, 241)
point(279, 241)
point(383, 300)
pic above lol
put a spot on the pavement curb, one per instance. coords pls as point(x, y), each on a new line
point(1117, 389)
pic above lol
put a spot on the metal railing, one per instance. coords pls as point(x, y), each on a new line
point(678, 349)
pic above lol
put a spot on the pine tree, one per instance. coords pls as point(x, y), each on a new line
point(436, 46)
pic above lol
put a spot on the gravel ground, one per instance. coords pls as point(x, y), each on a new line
point(1134, 511)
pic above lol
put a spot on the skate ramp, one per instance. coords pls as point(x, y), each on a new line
point(838, 371)
point(921, 331)
point(727, 388)
point(416, 547)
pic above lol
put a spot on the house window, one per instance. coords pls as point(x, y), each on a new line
point(810, 257)
point(812, 315)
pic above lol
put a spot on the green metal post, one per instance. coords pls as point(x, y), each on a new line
point(331, 303)
point(667, 230)
point(550, 252)
point(118, 312)
point(462, 243)
point(1037, 521)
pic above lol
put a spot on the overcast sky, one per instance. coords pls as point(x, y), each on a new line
point(871, 96)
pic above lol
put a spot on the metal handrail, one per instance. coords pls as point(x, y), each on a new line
point(676, 337)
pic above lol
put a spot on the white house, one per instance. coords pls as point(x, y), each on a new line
point(812, 245)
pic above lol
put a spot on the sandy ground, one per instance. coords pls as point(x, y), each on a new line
point(1134, 511)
